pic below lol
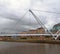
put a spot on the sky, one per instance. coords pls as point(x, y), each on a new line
point(15, 17)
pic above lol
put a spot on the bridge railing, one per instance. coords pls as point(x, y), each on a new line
point(28, 34)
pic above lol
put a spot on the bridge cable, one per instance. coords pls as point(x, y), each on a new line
point(45, 11)
point(39, 22)
point(20, 19)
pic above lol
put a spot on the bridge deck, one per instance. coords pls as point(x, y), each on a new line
point(29, 34)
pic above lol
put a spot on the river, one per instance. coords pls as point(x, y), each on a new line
point(28, 48)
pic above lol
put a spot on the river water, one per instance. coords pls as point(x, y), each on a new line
point(28, 48)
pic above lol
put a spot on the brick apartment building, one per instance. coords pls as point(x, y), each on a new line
point(36, 31)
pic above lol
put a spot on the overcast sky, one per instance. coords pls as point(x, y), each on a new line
point(11, 12)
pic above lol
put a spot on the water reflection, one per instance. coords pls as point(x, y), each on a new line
point(28, 48)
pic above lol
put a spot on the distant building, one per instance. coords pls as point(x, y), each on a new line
point(32, 32)
point(24, 32)
point(40, 30)
point(1, 38)
point(36, 31)
point(56, 27)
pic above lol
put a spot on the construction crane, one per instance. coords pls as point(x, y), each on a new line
point(40, 23)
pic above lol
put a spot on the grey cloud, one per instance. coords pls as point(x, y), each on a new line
point(22, 24)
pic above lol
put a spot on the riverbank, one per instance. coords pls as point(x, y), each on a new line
point(36, 41)
point(48, 41)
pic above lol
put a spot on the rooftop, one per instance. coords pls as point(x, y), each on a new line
point(57, 24)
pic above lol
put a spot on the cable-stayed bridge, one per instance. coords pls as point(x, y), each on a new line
point(40, 23)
